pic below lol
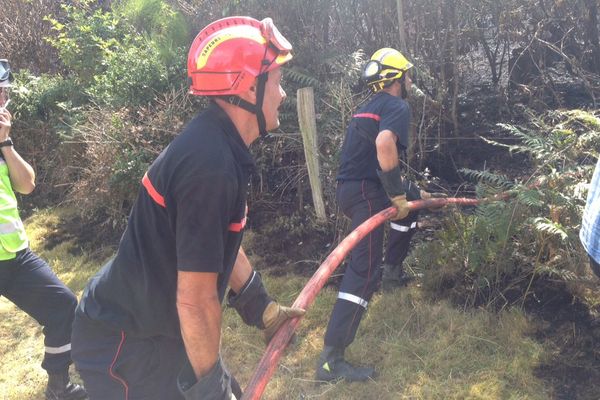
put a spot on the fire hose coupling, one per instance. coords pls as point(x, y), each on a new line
point(251, 302)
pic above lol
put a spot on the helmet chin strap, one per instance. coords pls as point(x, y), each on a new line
point(253, 108)
point(260, 97)
point(403, 91)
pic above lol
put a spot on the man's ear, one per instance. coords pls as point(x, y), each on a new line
point(250, 94)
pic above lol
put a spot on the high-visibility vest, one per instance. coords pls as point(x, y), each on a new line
point(12, 232)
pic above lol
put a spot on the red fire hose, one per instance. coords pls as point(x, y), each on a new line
point(268, 362)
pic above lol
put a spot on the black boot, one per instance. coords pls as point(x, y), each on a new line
point(394, 277)
point(332, 367)
point(60, 387)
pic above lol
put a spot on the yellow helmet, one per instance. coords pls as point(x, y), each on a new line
point(385, 65)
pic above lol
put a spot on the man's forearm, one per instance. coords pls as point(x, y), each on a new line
point(201, 331)
point(22, 176)
point(199, 312)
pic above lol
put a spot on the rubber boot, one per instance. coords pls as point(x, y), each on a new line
point(60, 387)
point(332, 367)
point(394, 277)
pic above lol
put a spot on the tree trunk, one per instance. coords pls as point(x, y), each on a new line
point(401, 26)
point(591, 29)
point(450, 55)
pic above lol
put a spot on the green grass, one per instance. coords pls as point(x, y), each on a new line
point(421, 349)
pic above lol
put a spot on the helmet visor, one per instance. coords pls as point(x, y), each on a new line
point(273, 36)
point(4, 71)
point(373, 69)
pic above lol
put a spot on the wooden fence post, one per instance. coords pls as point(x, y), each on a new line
point(308, 128)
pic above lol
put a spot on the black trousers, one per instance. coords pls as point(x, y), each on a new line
point(116, 366)
point(30, 284)
point(359, 200)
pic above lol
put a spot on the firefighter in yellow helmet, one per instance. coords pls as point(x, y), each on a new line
point(384, 68)
point(369, 180)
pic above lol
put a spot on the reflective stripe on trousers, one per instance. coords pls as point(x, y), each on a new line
point(353, 299)
point(403, 228)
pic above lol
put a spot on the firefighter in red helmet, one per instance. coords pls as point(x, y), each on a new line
point(149, 323)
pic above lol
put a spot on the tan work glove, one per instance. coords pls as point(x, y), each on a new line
point(401, 205)
point(434, 195)
point(275, 315)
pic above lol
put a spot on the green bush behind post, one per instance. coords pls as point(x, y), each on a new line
point(120, 101)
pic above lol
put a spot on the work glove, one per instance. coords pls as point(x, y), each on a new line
point(433, 195)
point(258, 309)
point(397, 189)
point(276, 315)
point(401, 205)
point(217, 384)
point(251, 302)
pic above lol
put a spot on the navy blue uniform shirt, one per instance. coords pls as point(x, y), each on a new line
point(189, 216)
point(358, 159)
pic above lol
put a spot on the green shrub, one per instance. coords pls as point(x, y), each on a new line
point(121, 62)
point(46, 110)
point(87, 38)
point(496, 254)
point(125, 99)
point(135, 75)
point(157, 20)
point(48, 100)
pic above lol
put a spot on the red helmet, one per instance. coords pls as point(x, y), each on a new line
point(228, 55)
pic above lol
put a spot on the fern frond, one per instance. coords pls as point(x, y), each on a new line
point(490, 178)
point(512, 148)
point(300, 77)
point(530, 197)
point(547, 226)
point(560, 273)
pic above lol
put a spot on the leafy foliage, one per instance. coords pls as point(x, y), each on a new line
point(126, 55)
point(107, 118)
point(494, 255)
point(119, 61)
point(87, 38)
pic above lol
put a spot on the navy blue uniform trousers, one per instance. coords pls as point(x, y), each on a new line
point(360, 200)
point(30, 284)
point(116, 366)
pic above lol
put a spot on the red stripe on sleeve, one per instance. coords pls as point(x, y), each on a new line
point(367, 115)
point(152, 191)
point(238, 226)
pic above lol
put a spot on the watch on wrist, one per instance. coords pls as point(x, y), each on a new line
point(7, 142)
